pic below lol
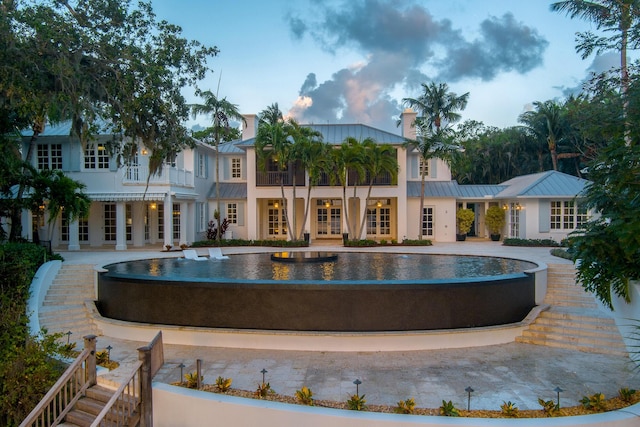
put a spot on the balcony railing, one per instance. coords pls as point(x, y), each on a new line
point(170, 176)
point(382, 179)
point(275, 178)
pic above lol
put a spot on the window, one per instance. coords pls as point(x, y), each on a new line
point(379, 218)
point(110, 222)
point(232, 213)
point(160, 220)
point(129, 221)
point(424, 167)
point(96, 157)
point(514, 220)
point(83, 229)
point(202, 165)
point(176, 221)
point(427, 221)
point(566, 215)
point(276, 221)
point(236, 168)
point(146, 223)
point(202, 216)
point(49, 156)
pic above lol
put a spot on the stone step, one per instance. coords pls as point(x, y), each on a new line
point(571, 346)
point(580, 337)
point(65, 300)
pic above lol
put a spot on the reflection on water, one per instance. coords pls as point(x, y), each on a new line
point(348, 266)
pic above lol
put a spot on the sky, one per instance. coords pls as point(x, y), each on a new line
point(353, 61)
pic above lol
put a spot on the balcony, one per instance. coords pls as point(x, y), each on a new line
point(275, 178)
point(137, 175)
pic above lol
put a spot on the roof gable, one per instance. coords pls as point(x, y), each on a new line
point(544, 184)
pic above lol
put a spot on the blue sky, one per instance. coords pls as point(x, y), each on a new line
point(353, 61)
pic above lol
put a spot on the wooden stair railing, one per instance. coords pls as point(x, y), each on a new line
point(64, 394)
point(130, 405)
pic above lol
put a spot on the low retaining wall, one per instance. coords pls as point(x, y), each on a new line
point(177, 406)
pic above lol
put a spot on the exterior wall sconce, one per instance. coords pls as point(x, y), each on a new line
point(152, 205)
point(276, 205)
point(379, 204)
point(327, 203)
point(505, 207)
point(144, 152)
point(518, 207)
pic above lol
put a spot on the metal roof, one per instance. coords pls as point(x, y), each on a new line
point(335, 134)
point(126, 197)
point(479, 191)
point(543, 184)
point(434, 189)
point(230, 190)
point(230, 147)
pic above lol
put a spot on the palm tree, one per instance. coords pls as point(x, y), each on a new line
point(430, 144)
point(220, 111)
point(348, 166)
point(619, 16)
point(310, 152)
point(436, 106)
point(273, 142)
point(547, 123)
point(271, 114)
point(380, 159)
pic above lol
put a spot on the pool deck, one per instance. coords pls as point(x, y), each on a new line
point(520, 373)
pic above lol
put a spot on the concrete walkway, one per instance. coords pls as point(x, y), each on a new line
point(520, 373)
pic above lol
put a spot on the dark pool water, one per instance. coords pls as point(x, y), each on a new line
point(349, 266)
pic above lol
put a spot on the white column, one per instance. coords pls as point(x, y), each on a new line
point(121, 235)
point(74, 236)
point(168, 220)
point(358, 221)
point(184, 222)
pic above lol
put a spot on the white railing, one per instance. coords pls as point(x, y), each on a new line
point(169, 176)
point(64, 394)
point(121, 409)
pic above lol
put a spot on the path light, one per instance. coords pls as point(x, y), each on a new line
point(109, 353)
point(264, 371)
point(68, 335)
point(357, 382)
point(181, 366)
point(558, 390)
point(469, 390)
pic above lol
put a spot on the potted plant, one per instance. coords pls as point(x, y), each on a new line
point(495, 220)
point(464, 220)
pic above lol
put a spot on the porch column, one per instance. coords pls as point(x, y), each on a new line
point(121, 234)
point(358, 218)
point(168, 220)
point(184, 222)
point(74, 236)
point(137, 218)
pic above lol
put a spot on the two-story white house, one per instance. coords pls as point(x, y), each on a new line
point(176, 206)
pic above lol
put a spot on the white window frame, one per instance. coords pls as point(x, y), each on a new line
point(202, 165)
point(96, 156)
point(567, 215)
point(236, 168)
point(49, 156)
point(232, 213)
point(423, 166)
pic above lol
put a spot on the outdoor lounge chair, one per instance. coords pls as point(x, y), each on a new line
point(216, 253)
point(192, 254)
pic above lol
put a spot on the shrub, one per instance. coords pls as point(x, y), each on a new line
point(448, 409)
point(192, 379)
point(549, 407)
point(356, 403)
point(405, 406)
point(509, 409)
point(305, 396)
point(223, 384)
point(414, 242)
point(263, 390)
point(626, 394)
point(530, 242)
point(595, 402)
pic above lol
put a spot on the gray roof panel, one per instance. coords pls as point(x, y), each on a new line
point(230, 191)
point(544, 184)
point(434, 189)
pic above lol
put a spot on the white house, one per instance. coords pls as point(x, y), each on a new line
point(176, 206)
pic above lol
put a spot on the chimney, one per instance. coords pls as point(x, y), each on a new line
point(250, 127)
point(408, 118)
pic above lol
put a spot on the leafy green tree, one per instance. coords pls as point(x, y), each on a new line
point(437, 107)
point(619, 19)
point(93, 62)
point(380, 159)
point(607, 248)
point(271, 114)
point(221, 111)
point(273, 143)
point(306, 151)
point(547, 123)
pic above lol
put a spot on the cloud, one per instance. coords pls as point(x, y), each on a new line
point(404, 45)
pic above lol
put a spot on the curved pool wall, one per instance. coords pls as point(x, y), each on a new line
point(337, 306)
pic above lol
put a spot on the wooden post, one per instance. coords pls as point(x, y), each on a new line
point(146, 391)
point(90, 373)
